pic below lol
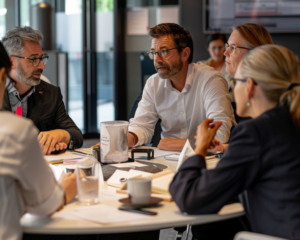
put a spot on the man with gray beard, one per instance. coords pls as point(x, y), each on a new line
point(182, 94)
point(35, 99)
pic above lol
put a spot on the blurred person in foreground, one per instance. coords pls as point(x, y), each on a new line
point(27, 183)
point(261, 164)
point(40, 101)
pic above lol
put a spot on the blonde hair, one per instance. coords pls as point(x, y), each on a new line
point(253, 34)
point(274, 68)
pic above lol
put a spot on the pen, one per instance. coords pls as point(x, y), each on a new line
point(138, 211)
point(80, 152)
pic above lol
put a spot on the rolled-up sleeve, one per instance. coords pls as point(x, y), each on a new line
point(217, 103)
point(146, 116)
point(41, 193)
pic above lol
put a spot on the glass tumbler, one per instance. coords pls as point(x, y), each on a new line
point(89, 180)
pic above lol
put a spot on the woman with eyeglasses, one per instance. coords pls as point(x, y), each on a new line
point(262, 163)
point(243, 39)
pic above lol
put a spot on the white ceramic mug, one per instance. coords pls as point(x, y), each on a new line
point(139, 190)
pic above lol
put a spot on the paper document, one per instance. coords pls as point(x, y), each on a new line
point(128, 165)
point(58, 171)
point(173, 157)
point(186, 152)
point(107, 195)
point(63, 156)
point(120, 178)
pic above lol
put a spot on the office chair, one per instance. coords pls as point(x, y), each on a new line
point(254, 236)
point(157, 131)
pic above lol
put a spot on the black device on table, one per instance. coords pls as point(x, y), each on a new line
point(218, 154)
point(149, 151)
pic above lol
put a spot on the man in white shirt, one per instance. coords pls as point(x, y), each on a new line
point(182, 94)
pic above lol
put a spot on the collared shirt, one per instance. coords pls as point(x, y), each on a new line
point(26, 181)
point(205, 95)
point(15, 99)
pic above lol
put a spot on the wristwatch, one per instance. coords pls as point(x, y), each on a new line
point(71, 145)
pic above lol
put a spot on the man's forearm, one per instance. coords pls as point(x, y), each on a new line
point(171, 144)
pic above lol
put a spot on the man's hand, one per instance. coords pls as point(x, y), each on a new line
point(171, 144)
point(131, 138)
point(53, 140)
point(206, 132)
point(68, 182)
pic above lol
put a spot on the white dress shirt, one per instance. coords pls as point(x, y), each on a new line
point(205, 95)
point(26, 181)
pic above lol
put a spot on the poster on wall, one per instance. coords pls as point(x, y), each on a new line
point(167, 15)
point(137, 21)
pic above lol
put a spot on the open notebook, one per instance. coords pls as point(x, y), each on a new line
point(160, 181)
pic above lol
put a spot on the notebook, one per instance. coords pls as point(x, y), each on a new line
point(160, 181)
point(119, 178)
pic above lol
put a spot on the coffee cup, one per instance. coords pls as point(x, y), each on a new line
point(139, 190)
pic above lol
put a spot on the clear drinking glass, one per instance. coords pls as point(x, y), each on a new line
point(114, 143)
point(89, 179)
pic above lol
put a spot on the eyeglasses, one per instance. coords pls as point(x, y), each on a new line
point(233, 47)
point(35, 61)
point(233, 81)
point(161, 53)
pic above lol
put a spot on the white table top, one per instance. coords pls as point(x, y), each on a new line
point(168, 216)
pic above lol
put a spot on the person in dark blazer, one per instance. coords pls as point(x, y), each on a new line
point(262, 163)
point(35, 99)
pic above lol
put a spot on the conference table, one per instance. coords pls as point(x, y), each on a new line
point(168, 215)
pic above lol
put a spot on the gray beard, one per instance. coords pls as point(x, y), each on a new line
point(21, 75)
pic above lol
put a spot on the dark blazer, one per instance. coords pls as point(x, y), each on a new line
point(47, 110)
point(262, 164)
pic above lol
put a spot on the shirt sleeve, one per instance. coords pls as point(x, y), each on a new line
point(217, 104)
point(197, 190)
point(145, 117)
point(41, 193)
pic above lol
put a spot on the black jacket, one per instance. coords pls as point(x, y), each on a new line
point(262, 164)
point(47, 110)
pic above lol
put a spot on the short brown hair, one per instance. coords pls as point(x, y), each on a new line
point(254, 34)
point(181, 37)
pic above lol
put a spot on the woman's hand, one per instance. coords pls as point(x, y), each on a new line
point(206, 132)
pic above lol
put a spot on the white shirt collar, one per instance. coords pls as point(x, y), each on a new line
point(188, 82)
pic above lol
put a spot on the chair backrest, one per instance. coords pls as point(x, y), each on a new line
point(157, 131)
point(254, 236)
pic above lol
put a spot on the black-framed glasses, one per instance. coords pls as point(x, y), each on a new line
point(35, 61)
point(161, 53)
point(232, 48)
point(234, 80)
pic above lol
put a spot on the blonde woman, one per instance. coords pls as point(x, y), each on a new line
point(262, 161)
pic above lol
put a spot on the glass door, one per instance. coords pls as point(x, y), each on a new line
point(104, 53)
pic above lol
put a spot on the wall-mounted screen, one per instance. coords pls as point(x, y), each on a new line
point(277, 16)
